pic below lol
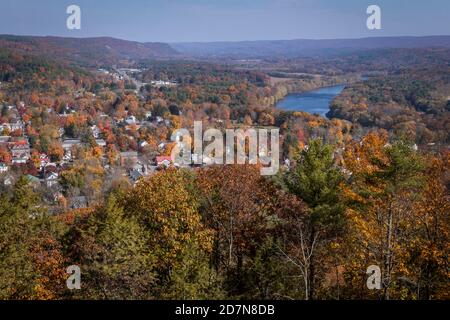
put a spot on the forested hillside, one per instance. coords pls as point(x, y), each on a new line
point(411, 103)
point(94, 52)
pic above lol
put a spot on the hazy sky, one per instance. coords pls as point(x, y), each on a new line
point(217, 20)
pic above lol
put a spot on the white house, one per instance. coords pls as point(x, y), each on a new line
point(51, 179)
point(3, 168)
point(100, 142)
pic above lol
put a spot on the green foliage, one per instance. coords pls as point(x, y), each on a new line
point(114, 255)
point(315, 179)
point(22, 219)
point(193, 278)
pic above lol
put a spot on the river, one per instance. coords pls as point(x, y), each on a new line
point(314, 101)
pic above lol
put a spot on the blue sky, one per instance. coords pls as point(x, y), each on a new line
point(224, 20)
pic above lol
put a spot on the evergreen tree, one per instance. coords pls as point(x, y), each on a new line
point(315, 179)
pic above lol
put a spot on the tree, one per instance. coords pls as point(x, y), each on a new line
point(242, 207)
point(315, 179)
point(235, 203)
point(428, 245)
point(112, 250)
point(193, 278)
point(165, 205)
point(385, 181)
point(31, 261)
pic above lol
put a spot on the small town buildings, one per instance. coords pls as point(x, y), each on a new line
point(14, 125)
point(20, 151)
point(161, 83)
point(163, 161)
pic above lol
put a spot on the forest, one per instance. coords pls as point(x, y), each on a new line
point(82, 135)
point(227, 232)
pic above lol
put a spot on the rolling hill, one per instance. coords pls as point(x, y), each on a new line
point(87, 51)
point(303, 47)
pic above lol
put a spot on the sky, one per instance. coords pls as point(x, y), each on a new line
point(225, 20)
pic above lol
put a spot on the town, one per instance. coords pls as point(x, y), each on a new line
point(158, 150)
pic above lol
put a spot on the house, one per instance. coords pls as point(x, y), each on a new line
point(16, 124)
point(161, 83)
point(69, 143)
point(20, 152)
point(43, 160)
point(8, 180)
point(61, 132)
point(34, 181)
point(4, 139)
point(19, 160)
point(95, 131)
point(131, 120)
point(51, 179)
point(135, 175)
point(3, 168)
point(162, 146)
point(128, 157)
point(100, 142)
point(20, 149)
point(67, 156)
point(163, 161)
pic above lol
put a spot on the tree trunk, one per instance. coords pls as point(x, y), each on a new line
point(311, 264)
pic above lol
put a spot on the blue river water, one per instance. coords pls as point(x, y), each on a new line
point(314, 101)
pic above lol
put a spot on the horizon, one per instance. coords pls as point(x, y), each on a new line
point(222, 41)
point(203, 21)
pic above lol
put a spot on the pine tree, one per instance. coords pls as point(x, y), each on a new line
point(315, 179)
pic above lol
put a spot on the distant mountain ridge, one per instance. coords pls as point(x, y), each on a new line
point(304, 47)
point(90, 51)
point(102, 51)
